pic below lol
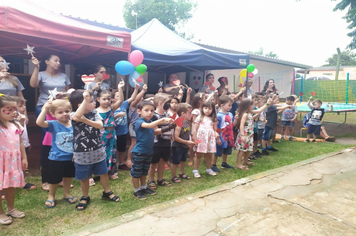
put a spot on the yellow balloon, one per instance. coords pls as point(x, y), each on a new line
point(243, 73)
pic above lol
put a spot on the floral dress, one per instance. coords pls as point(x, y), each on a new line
point(109, 140)
point(248, 145)
point(11, 174)
point(206, 134)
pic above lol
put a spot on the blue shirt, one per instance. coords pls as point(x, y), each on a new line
point(62, 141)
point(225, 122)
point(234, 108)
point(144, 138)
point(121, 122)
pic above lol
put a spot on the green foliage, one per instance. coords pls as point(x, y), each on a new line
point(261, 53)
point(350, 18)
point(168, 12)
point(347, 58)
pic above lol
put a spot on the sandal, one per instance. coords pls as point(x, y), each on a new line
point(15, 213)
point(163, 182)
point(151, 184)
point(250, 163)
point(176, 180)
point(110, 196)
point(5, 220)
point(61, 185)
point(71, 200)
point(29, 186)
point(242, 167)
point(83, 204)
point(91, 182)
point(190, 163)
point(184, 176)
point(53, 204)
point(45, 187)
point(27, 171)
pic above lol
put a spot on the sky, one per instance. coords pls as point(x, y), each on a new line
point(306, 32)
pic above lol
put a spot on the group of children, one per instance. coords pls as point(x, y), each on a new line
point(89, 134)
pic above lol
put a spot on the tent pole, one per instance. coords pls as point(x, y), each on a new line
point(234, 83)
point(293, 82)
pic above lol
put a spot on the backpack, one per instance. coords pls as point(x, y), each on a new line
point(306, 120)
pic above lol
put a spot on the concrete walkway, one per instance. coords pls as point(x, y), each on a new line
point(314, 197)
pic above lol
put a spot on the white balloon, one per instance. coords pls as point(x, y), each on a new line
point(255, 72)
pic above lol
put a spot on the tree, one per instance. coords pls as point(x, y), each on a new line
point(168, 12)
point(260, 53)
point(347, 58)
point(350, 18)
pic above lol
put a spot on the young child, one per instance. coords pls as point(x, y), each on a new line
point(60, 163)
point(121, 126)
point(316, 117)
point(106, 111)
point(89, 152)
point(205, 133)
point(21, 118)
point(143, 150)
point(225, 141)
point(181, 143)
point(162, 142)
point(133, 117)
point(172, 112)
point(256, 117)
point(260, 126)
point(288, 118)
point(13, 158)
point(272, 118)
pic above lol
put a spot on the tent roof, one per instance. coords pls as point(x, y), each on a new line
point(22, 22)
point(165, 51)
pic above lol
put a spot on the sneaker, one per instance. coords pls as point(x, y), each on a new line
point(282, 139)
point(197, 175)
point(265, 152)
point(224, 165)
point(272, 149)
point(314, 141)
point(257, 154)
point(215, 168)
point(291, 139)
point(140, 195)
point(124, 167)
point(211, 172)
point(148, 191)
point(307, 141)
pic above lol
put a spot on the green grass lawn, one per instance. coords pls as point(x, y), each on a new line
point(64, 218)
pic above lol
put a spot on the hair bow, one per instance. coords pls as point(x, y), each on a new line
point(18, 131)
point(1, 94)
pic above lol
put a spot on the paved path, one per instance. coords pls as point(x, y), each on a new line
point(315, 197)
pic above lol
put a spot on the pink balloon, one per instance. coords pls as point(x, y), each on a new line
point(250, 75)
point(136, 57)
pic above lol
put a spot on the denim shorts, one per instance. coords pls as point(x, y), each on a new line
point(260, 134)
point(140, 164)
point(220, 151)
point(83, 172)
point(179, 154)
point(267, 133)
point(288, 123)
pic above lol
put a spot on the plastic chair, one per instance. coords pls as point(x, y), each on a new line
point(301, 131)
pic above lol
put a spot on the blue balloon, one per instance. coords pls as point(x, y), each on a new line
point(133, 79)
point(124, 68)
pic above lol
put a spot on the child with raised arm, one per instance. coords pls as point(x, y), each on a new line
point(133, 117)
point(60, 163)
point(316, 117)
point(106, 111)
point(181, 143)
point(13, 159)
point(225, 141)
point(288, 119)
point(143, 150)
point(122, 127)
point(89, 154)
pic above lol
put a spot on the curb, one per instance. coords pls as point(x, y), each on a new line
point(125, 218)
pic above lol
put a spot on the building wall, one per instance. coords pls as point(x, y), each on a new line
point(282, 75)
point(331, 73)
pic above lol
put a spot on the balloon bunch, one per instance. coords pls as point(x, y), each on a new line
point(133, 67)
point(249, 72)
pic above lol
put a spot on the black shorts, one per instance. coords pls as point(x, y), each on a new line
point(255, 136)
point(159, 152)
point(314, 129)
point(179, 154)
point(59, 170)
point(121, 142)
point(260, 134)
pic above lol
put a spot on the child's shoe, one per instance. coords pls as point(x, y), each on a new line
point(196, 175)
point(257, 154)
point(211, 172)
point(215, 168)
point(265, 152)
point(148, 191)
point(314, 141)
point(307, 141)
point(224, 165)
point(91, 182)
point(291, 138)
point(282, 139)
point(124, 167)
point(14, 213)
point(272, 149)
point(140, 195)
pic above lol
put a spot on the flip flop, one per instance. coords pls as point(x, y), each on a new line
point(68, 199)
point(51, 202)
point(29, 186)
point(242, 167)
point(6, 221)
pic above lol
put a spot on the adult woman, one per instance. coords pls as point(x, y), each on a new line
point(269, 87)
point(93, 87)
point(170, 87)
point(208, 86)
point(49, 79)
point(223, 88)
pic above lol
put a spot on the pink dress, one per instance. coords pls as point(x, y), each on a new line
point(206, 133)
point(248, 145)
point(11, 174)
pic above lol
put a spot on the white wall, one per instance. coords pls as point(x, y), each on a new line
point(282, 75)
